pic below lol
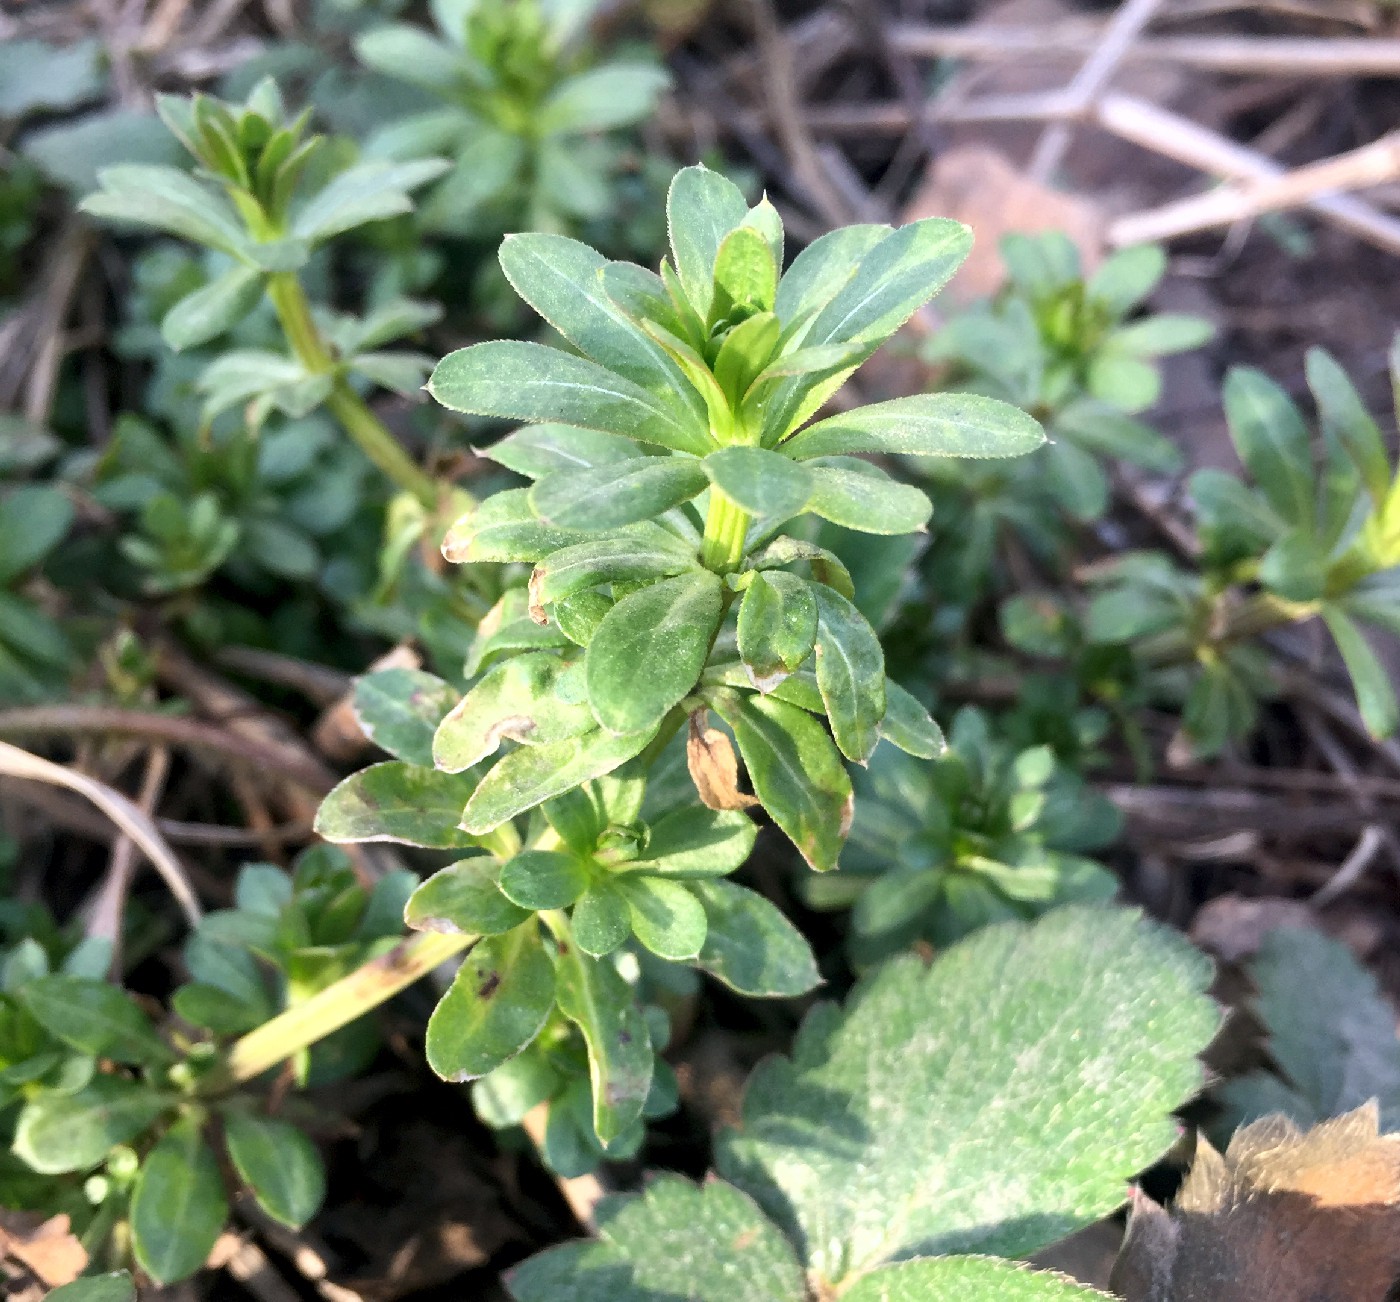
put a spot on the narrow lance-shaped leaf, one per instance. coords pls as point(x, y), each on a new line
point(702, 207)
point(611, 496)
point(924, 425)
point(599, 1002)
point(1272, 441)
point(1375, 695)
point(850, 674)
point(648, 552)
point(858, 495)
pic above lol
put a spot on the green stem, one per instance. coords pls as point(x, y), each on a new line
point(359, 422)
point(726, 531)
point(328, 1010)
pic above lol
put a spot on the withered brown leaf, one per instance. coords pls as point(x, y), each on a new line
point(714, 768)
point(1283, 1216)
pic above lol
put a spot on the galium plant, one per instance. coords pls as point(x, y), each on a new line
point(266, 195)
point(985, 833)
point(525, 111)
point(1306, 536)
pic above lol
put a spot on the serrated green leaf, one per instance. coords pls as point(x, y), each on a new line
point(543, 879)
point(924, 425)
point(676, 1240)
point(499, 1000)
point(178, 1206)
point(967, 1279)
point(796, 772)
point(850, 674)
point(1272, 441)
point(1013, 1118)
point(750, 945)
point(777, 626)
point(73, 1132)
point(611, 496)
point(95, 1018)
point(464, 899)
point(530, 382)
point(649, 650)
point(400, 709)
point(819, 272)
point(394, 801)
point(764, 483)
point(702, 207)
point(208, 312)
point(533, 774)
point(280, 1166)
point(592, 995)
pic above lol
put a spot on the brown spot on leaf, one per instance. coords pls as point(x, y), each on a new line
point(537, 611)
point(489, 985)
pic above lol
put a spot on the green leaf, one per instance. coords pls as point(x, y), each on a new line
point(400, 709)
point(966, 1279)
point(543, 879)
point(796, 772)
point(665, 916)
point(394, 801)
point(278, 1164)
point(601, 920)
point(1124, 382)
point(702, 207)
point(115, 1287)
point(504, 528)
point(645, 552)
point(1160, 336)
point(924, 425)
point(536, 450)
point(1013, 1118)
point(37, 75)
point(1295, 566)
point(858, 495)
point(850, 674)
point(529, 382)
point(178, 1206)
point(909, 726)
point(746, 274)
point(1375, 695)
point(73, 1132)
point(33, 520)
point(171, 201)
point(611, 496)
point(499, 1000)
point(1331, 1033)
point(518, 699)
point(694, 842)
point(649, 650)
point(1122, 281)
point(1109, 432)
point(207, 313)
point(777, 626)
point(750, 945)
point(1345, 418)
point(367, 192)
point(818, 274)
point(533, 774)
point(464, 899)
point(599, 1002)
point(676, 1240)
point(1272, 441)
point(95, 1018)
point(408, 52)
point(602, 99)
point(764, 483)
point(217, 1010)
point(562, 280)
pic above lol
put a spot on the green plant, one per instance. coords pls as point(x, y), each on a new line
point(901, 1153)
point(525, 111)
point(267, 195)
point(1063, 346)
point(34, 519)
point(1305, 539)
point(985, 833)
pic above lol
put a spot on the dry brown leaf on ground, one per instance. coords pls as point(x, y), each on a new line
point(977, 185)
point(48, 1250)
point(1283, 1216)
